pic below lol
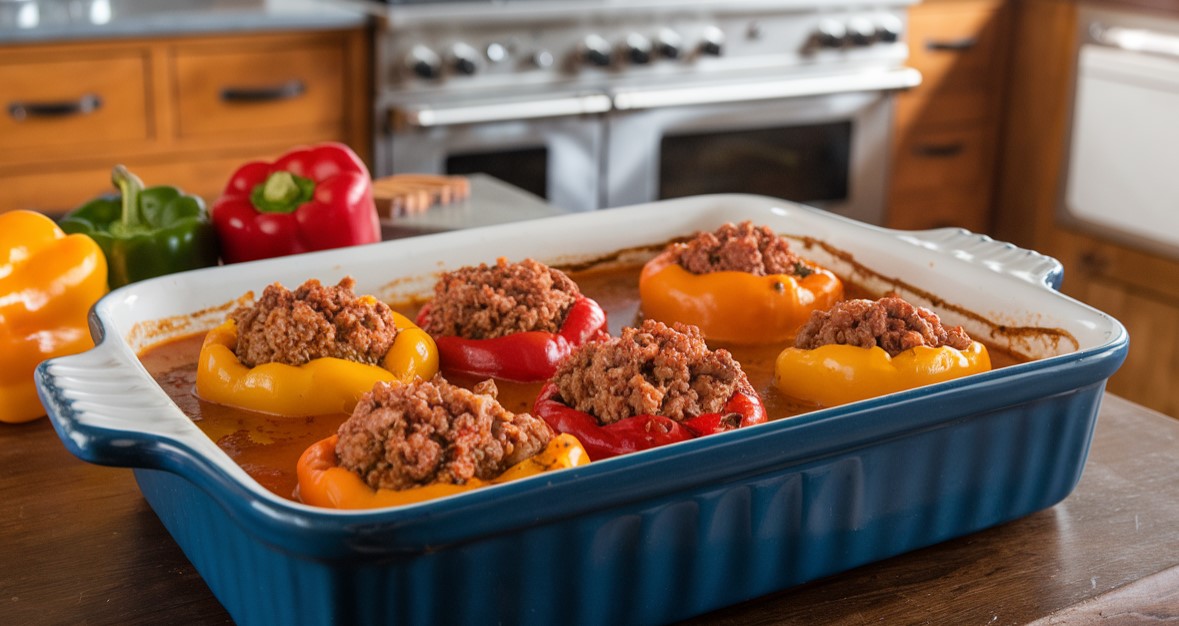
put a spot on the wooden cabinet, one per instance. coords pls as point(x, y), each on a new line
point(182, 111)
point(946, 129)
point(1134, 286)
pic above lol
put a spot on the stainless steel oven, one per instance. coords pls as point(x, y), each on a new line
point(820, 142)
point(548, 143)
point(594, 103)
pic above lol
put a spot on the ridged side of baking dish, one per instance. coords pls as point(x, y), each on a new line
point(653, 562)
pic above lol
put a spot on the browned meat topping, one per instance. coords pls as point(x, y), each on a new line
point(654, 369)
point(312, 322)
point(408, 435)
point(492, 301)
point(740, 248)
point(891, 323)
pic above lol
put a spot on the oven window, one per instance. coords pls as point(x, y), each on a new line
point(799, 163)
point(526, 168)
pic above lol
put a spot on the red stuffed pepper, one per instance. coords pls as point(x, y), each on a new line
point(511, 321)
point(313, 198)
point(652, 386)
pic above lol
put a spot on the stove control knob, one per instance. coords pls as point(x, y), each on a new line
point(636, 49)
point(669, 44)
point(542, 59)
point(423, 62)
point(595, 51)
point(888, 29)
point(496, 52)
point(712, 41)
point(831, 34)
point(861, 32)
point(464, 59)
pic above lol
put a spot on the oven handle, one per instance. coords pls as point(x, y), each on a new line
point(426, 116)
point(1135, 39)
point(899, 78)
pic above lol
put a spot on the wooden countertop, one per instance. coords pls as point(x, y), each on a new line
point(79, 544)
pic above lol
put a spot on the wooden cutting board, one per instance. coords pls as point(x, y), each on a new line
point(409, 194)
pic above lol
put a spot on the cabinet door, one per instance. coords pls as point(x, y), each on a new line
point(943, 178)
point(57, 189)
point(1148, 375)
point(60, 105)
point(259, 92)
point(956, 47)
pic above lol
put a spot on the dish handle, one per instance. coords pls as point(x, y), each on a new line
point(105, 411)
point(1005, 258)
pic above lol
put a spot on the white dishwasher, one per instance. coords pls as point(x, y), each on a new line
point(1123, 156)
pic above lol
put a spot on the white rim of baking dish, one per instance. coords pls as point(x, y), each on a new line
point(108, 410)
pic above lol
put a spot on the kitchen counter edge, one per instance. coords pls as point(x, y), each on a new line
point(186, 17)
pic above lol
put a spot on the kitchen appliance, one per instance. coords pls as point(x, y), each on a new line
point(1124, 139)
point(645, 538)
point(596, 103)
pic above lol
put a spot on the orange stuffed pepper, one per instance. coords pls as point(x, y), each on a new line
point(741, 284)
point(412, 442)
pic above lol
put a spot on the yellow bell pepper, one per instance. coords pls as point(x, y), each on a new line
point(48, 282)
point(837, 374)
point(736, 307)
point(319, 387)
point(322, 482)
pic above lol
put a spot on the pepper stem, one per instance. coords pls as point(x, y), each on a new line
point(282, 192)
point(129, 187)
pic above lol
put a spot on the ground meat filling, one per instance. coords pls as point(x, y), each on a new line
point(891, 323)
point(653, 369)
point(743, 247)
point(408, 435)
point(485, 302)
point(314, 321)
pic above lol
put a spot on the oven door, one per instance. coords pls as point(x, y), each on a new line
point(821, 141)
point(549, 145)
point(1120, 178)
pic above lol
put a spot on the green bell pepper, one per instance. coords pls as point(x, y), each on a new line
point(146, 232)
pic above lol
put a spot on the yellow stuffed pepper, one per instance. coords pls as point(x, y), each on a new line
point(48, 282)
point(740, 284)
point(861, 349)
point(313, 351)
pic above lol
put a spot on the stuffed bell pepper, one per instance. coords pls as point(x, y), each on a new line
point(511, 321)
point(740, 284)
point(406, 443)
point(312, 351)
point(863, 348)
point(309, 199)
point(146, 232)
point(651, 386)
point(48, 282)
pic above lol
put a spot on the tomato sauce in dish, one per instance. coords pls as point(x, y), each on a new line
point(268, 446)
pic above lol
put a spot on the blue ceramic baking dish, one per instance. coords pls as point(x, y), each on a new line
point(647, 538)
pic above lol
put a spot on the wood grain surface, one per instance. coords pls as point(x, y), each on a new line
point(79, 545)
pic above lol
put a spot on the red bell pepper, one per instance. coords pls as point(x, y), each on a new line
point(641, 432)
point(312, 198)
point(525, 356)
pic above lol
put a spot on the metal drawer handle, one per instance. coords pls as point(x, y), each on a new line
point(953, 45)
point(939, 150)
point(85, 105)
point(286, 91)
